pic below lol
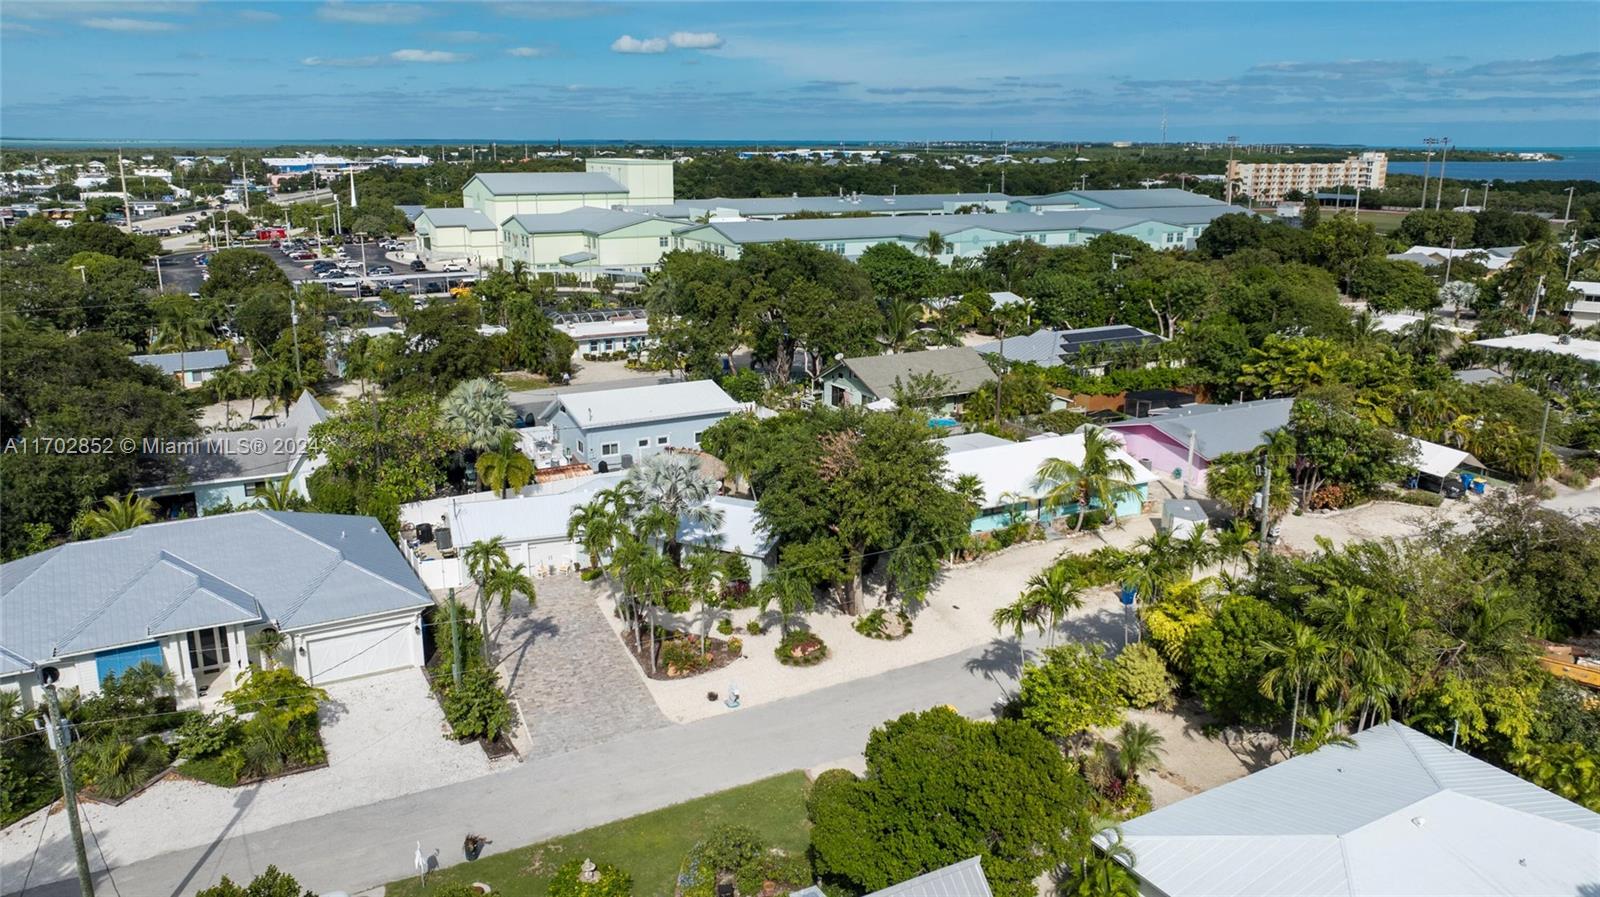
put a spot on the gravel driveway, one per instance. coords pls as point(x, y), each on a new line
point(564, 664)
point(385, 738)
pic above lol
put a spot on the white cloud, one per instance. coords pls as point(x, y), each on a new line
point(529, 52)
point(464, 37)
point(117, 23)
point(398, 56)
point(695, 40)
point(427, 56)
point(371, 13)
point(630, 44)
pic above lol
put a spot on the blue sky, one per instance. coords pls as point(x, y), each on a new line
point(1519, 74)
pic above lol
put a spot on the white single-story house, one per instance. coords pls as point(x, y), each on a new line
point(188, 595)
point(1007, 471)
point(1397, 814)
point(608, 332)
point(533, 527)
point(231, 467)
point(1581, 349)
point(190, 369)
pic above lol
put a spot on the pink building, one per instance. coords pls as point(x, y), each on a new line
point(1178, 445)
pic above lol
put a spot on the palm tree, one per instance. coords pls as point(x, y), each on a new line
point(933, 245)
point(1297, 662)
point(1100, 478)
point(116, 514)
point(1234, 544)
point(483, 557)
point(595, 527)
point(279, 495)
point(702, 580)
point(506, 469)
point(649, 575)
point(1138, 748)
point(790, 592)
point(1324, 729)
point(179, 325)
point(671, 488)
point(1016, 616)
point(228, 384)
point(267, 643)
point(1105, 874)
point(1057, 591)
point(478, 411)
point(502, 584)
point(900, 322)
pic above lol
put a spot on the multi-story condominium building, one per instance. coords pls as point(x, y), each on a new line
point(1269, 181)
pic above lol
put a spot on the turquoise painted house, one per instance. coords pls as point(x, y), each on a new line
point(1007, 470)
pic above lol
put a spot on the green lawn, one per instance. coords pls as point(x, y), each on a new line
point(650, 846)
point(522, 380)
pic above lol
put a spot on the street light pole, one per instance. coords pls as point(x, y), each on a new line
point(1485, 196)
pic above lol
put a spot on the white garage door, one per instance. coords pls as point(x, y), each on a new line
point(342, 655)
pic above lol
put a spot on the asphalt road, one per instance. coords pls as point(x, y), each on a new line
point(549, 796)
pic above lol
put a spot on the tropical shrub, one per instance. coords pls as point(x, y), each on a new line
point(610, 881)
point(735, 646)
point(801, 649)
point(207, 736)
point(477, 708)
point(684, 656)
point(1074, 689)
point(27, 779)
point(725, 626)
point(282, 729)
point(1143, 678)
point(875, 624)
point(271, 883)
point(1570, 770)
point(114, 768)
point(754, 627)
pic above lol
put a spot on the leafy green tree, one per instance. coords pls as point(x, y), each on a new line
point(1142, 677)
point(1387, 285)
point(1426, 227)
point(1342, 241)
point(1224, 673)
point(939, 788)
point(394, 445)
point(898, 273)
point(235, 272)
point(1071, 690)
point(478, 708)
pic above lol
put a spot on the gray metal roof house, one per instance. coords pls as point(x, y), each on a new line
point(874, 378)
point(1050, 348)
point(187, 595)
point(963, 879)
point(1399, 814)
point(190, 369)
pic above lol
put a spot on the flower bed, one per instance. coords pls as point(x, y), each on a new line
point(679, 654)
point(801, 649)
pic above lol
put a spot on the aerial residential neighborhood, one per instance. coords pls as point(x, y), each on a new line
point(581, 449)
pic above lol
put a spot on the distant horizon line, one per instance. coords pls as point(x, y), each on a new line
point(821, 142)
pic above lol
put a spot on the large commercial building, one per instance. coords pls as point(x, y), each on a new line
point(1269, 181)
point(619, 216)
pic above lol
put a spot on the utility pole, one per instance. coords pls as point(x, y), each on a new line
point(60, 739)
point(455, 638)
point(1485, 196)
point(1438, 197)
point(352, 188)
point(1427, 158)
point(294, 333)
point(1538, 293)
point(1572, 235)
point(161, 287)
point(127, 209)
point(1233, 141)
point(1538, 456)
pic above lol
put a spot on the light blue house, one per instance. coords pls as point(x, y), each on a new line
point(190, 369)
point(1007, 471)
point(233, 467)
point(614, 429)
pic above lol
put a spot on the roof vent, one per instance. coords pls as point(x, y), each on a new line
point(1419, 821)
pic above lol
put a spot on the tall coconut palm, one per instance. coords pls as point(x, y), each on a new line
point(933, 245)
point(1100, 478)
point(1016, 616)
point(672, 486)
point(649, 576)
point(115, 514)
point(478, 411)
point(482, 558)
point(1138, 748)
point(595, 527)
point(1105, 873)
point(1234, 545)
point(503, 583)
point(702, 580)
point(900, 322)
point(1056, 591)
point(1296, 663)
point(505, 469)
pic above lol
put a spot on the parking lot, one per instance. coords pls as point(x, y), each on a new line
point(181, 273)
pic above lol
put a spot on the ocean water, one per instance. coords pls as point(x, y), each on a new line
point(1576, 164)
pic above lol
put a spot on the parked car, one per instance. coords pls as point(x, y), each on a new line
point(418, 265)
point(453, 268)
point(381, 269)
